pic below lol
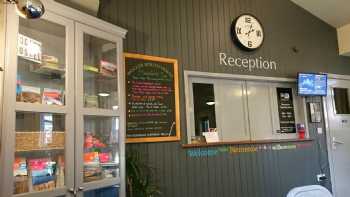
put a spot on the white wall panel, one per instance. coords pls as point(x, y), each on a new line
point(232, 111)
point(260, 112)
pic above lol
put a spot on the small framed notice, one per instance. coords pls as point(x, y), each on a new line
point(211, 137)
point(152, 99)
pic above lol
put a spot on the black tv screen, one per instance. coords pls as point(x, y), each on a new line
point(310, 84)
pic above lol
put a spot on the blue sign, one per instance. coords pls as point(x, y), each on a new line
point(312, 84)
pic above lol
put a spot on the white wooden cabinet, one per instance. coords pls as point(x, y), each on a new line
point(63, 118)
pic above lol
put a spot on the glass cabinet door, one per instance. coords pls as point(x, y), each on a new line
point(39, 152)
point(97, 109)
point(41, 136)
point(100, 73)
point(39, 89)
point(41, 59)
point(101, 148)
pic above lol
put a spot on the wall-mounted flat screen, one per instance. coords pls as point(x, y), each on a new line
point(312, 84)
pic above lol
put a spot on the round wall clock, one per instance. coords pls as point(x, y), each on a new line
point(247, 32)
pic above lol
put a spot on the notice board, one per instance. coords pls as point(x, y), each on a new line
point(286, 110)
point(152, 99)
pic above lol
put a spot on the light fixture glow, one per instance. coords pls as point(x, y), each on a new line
point(103, 94)
point(115, 107)
point(210, 103)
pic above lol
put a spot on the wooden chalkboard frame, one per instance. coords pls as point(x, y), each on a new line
point(177, 137)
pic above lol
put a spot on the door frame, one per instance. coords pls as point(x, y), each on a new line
point(328, 129)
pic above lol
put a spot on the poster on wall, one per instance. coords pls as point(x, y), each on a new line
point(152, 99)
point(286, 110)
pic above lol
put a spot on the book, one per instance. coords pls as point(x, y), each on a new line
point(52, 97)
point(108, 69)
point(42, 170)
point(30, 94)
point(48, 68)
point(20, 167)
point(105, 157)
point(49, 59)
point(37, 180)
point(91, 101)
point(91, 157)
point(91, 68)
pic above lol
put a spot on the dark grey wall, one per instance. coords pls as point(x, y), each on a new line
point(194, 31)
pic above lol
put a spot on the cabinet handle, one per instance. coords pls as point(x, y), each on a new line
point(73, 191)
point(81, 188)
point(338, 142)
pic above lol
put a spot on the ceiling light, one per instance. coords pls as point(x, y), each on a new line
point(210, 103)
point(103, 94)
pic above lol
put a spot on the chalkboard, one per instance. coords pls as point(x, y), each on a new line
point(286, 110)
point(152, 99)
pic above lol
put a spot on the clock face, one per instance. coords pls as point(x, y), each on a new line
point(248, 32)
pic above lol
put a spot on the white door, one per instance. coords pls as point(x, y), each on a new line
point(339, 137)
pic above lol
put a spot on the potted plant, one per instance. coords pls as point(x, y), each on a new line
point(139, 176)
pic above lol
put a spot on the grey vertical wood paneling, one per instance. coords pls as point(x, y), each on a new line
point(155, 28)
point(203, 54)
point(212, 175)
point(139, 27)
point(244, 175)
point(162, 17)
point(196, 35)
point(147, 26)
point(184, 36)
point(230, 176)
point(256, 175)
point(210, 34)
point(194, 31)
point(237, 177)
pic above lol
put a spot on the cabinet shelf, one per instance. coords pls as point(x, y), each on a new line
point(38, 150)
point(100, 112)
point(99, 75)
point(48, 70)
point(44, 68)
point(109, 148)
point(35, 107)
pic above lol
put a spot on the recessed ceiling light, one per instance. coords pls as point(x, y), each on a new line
point(103, 94)
point(210, 103)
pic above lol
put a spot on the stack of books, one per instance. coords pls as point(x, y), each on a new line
point(108, 69)
point(92, 168)
point(50, 65)
point(42, 173)
point(20, 172)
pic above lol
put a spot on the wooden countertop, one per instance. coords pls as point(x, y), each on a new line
point(244, 142)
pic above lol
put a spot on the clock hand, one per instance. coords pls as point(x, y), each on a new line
point(250, 31)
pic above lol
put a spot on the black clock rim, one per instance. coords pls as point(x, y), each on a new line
point(234, 35)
